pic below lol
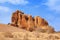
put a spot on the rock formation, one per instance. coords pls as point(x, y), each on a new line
point(24, 21)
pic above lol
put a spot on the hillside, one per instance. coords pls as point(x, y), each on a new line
point(8, 32)
point(8, 28)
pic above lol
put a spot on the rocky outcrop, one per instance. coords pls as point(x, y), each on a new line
point(24, 21)
point(40, 21)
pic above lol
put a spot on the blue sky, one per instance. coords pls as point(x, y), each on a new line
point(47, 9)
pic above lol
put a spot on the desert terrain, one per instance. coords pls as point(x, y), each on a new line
point(8, 32)
point(25, 27)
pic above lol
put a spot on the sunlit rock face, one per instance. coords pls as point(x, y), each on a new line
point(27, 22)
point(40, 21)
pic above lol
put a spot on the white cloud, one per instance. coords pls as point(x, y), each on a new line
point(4, 9)
point(15, 2)
point(3, 1)
point(5, 14)
point(53, 5)
point(37, 6)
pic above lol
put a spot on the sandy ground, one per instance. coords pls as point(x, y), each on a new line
point(8, 28)
point(8, 32)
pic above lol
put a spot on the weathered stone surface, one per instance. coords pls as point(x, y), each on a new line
point(40, 21)
point(27, 22)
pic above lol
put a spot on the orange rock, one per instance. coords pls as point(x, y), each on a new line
point(24, 22)
point(14, 18)
point(30, 23)
point(40, 21)
point(27, 22)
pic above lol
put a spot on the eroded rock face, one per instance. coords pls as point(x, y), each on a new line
point(24, 21)
point(40, 21)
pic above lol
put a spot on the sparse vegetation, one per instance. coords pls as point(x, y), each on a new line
point(28, 36)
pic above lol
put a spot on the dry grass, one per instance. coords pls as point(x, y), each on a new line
point(28, 36)
point(12, 33)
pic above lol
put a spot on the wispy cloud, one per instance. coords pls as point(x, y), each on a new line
point(4, 9)
point(37, 6)
point(15, 2)
point(5, 14)
point(53, 5)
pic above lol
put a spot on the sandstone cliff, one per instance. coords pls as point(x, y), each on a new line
point(27, 22)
